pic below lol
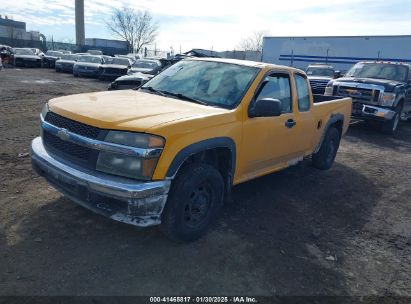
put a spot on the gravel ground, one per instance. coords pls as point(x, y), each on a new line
point(346, 231)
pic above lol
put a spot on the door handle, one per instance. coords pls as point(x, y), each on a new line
point(290, 123)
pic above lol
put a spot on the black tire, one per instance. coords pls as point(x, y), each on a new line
point(324, 158)
point(75, 75)
point(390, 127)
point(195, 199)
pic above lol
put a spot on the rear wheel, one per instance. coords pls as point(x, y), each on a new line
point(195, 198)
point(325, 157)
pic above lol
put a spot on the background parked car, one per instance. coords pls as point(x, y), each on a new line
point(319, 75)
point(66, 63)
point(126, 56)
point(95, 52)
point(6, 55)
point(37, 52)
point(26, 58)
point(65, 52)
point(129, 81)
point(146, 66)
point(114, 67)
point(50, 58)
point(88, 65)
point(135, 56)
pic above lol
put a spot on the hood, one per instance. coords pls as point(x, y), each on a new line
point(141, 70)
point(128, 110)
point(388, 85)
point(51, 57)
point(322, 78)
point(114, 66)
point(27, 56)
point(136, 76)
point(88, 64)
point(66, 61)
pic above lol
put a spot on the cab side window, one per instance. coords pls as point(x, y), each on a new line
point(302, 93)
point(277, 87)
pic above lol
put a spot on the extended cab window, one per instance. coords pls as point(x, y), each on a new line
point(277, 86)
point(302, 93)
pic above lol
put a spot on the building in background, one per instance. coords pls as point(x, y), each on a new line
point(341, 52)
point(107, 43)
point(11, 29)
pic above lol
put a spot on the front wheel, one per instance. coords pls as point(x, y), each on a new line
point(195, 198)
point(325, 157)
point(390, 127)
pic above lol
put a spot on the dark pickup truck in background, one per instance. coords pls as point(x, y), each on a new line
point(381, 92)
point(319, 75)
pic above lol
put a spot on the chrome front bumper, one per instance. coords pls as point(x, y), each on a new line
point(133, 202)
point(374, 112)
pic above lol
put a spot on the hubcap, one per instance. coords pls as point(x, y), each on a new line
point(198, 206)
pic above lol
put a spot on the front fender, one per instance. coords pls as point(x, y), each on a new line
point(212, 143)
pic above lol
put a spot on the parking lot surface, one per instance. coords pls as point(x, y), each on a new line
point(346, 231)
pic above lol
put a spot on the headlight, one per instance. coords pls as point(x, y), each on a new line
point(45, 110)
point(329, 89)
point(387, 99)
point(126, 165)
point(137, 140)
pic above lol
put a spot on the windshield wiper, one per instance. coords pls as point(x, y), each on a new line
point(185, 97)
point(151, 89)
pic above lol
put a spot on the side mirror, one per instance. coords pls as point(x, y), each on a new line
point(337, 74)
point(265, 107)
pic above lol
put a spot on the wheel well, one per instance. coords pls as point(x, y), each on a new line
point(220, 158)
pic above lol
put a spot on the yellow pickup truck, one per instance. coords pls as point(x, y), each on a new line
point(169, 152)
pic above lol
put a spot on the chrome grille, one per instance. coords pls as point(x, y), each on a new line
point(359, 94)
point(318, 85)
point(72, 126)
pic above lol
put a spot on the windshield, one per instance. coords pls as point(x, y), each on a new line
point(23, 52)
point(69, 57)
point(54, 54)
point(146, 64)
point(379, 71)
point(90, 59)
point(322, 72)
point(119, 61)
point(213, 83)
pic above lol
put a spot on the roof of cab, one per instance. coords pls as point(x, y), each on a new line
point(246, 63)
point(386, 62)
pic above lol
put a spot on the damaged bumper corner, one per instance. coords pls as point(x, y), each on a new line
point(133, 202)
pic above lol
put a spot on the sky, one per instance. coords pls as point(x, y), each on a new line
point(218, 24)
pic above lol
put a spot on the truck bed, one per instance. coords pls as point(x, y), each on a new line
point(322, 98)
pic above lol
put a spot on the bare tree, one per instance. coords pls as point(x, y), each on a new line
point(136, 27)
point(254, 42)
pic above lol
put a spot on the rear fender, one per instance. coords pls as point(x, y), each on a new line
point(333, 119)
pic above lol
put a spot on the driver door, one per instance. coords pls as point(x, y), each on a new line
point(269, 142)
